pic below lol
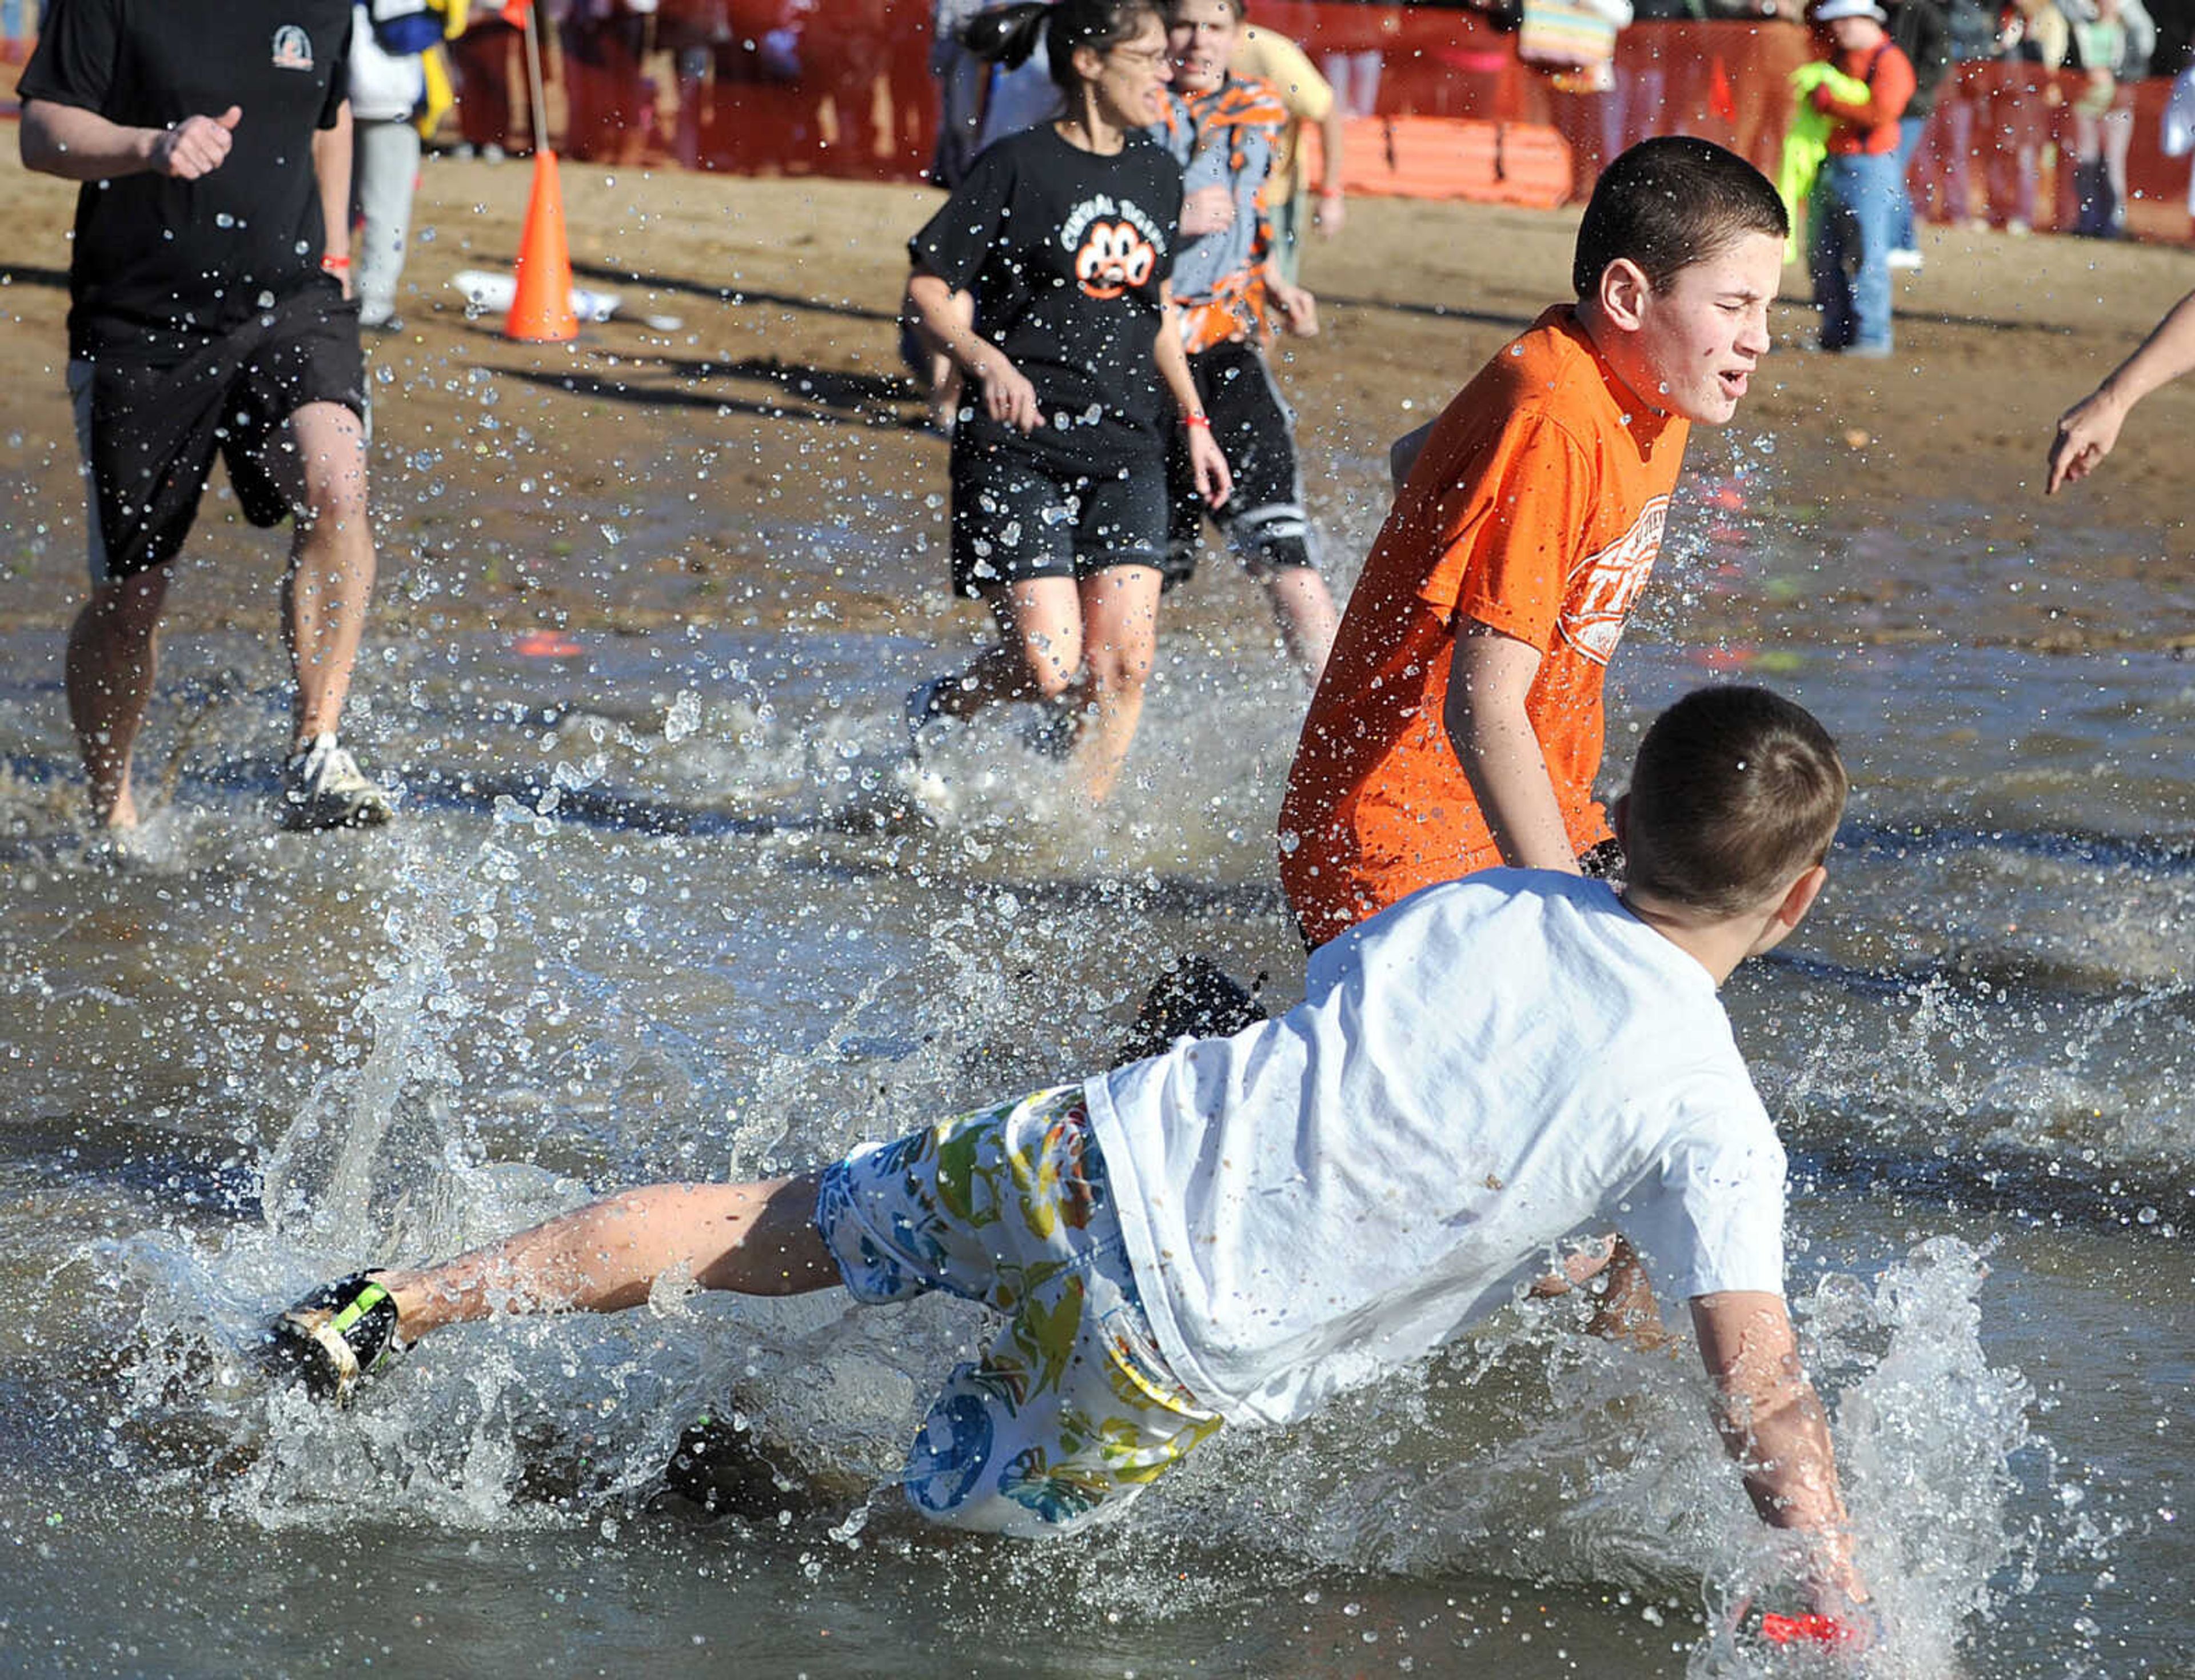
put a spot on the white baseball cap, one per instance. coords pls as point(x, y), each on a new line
point(1830, 10)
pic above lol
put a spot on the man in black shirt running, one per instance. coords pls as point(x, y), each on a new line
point(209, 314)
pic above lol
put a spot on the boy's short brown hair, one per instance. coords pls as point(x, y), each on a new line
point(1736, 792)
point(1668, 203)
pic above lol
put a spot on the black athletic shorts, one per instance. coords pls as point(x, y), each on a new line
point(1015, 518)
point(1263, 518)
point(149, 434)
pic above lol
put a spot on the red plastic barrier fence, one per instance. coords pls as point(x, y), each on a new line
point(842, 87)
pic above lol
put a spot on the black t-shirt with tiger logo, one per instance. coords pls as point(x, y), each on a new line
point(1067, 254)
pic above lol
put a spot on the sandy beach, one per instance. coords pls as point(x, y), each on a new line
point(749, 386)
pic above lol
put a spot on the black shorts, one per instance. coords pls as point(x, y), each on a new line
point(1015, 518)
point(1263, 518)
point(149, 434)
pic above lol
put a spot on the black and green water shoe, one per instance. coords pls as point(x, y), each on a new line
point(334, 1336)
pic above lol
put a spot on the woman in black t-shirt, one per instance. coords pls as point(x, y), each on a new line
point(1063, 237)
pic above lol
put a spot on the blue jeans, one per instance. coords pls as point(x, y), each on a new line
point(1909, 141)
point(1854, 208)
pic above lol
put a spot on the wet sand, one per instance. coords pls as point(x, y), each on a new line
point(650, 475)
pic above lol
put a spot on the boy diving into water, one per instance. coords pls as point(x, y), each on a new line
point(1238, 1230)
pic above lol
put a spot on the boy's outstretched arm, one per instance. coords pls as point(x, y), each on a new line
point(1488, 726)
point(2087, 431)
point(1771, 1421)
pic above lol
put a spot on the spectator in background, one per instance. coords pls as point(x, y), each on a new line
point(1278, 62)
point(606, 44)
point(1759, 103)
point(2117, 123)
point(1943, 181)
point(1853, 209)
point(692, 32)
point(387, 85)
point(480, 63)
point(2032, 42)
point(2084, 191)
point(1638, 104)
point(1922, 31)
point(979, 100)
point(1352, 54)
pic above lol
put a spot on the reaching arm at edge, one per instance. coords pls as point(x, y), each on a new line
point(1771, 1421)
point(2088, 430)
point(1489, 680)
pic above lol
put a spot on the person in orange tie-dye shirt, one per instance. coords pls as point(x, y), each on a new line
point(1458, 724)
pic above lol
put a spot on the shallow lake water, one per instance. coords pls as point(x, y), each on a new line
point(657, 908)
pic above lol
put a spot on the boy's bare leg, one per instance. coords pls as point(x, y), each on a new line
point(332, 565)
point(756, 1239)
point(114, 653)
point(1303, 607)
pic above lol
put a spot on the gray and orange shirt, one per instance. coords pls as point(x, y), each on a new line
point(1228, 137)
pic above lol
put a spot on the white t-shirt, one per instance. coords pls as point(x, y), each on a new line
point(1487, 1067)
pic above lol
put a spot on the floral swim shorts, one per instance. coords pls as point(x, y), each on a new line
point(1071, 1410)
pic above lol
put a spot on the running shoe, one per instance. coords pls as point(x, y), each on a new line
point(926, 714)
point(322, 787)
point(1053, 728)
point(335, 1336)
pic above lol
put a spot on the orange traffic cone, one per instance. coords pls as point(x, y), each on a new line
point(541, 304)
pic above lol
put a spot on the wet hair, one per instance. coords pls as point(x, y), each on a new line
point(1669, 203)
point(1007, 35)
point(1736, 792)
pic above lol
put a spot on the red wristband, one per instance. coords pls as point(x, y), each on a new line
point(1200, 423)
point(334, 265)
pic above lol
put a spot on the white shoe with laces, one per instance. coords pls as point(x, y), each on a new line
point(322, 787)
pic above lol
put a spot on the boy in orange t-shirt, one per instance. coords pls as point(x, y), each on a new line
point(1459, 722)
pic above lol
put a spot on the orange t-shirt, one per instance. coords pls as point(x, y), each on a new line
point(1535, 508)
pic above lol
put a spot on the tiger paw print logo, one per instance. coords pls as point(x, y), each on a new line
point(1116, 257)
